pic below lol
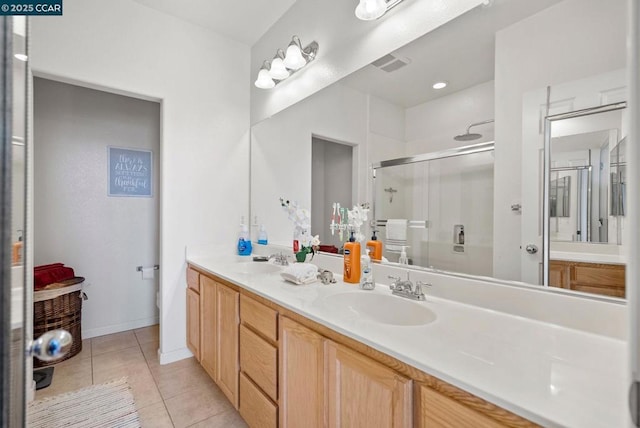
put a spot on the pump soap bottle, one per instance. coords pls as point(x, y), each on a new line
point(374, 247)
point(244, 242)
point(351, 273)
point(262, 236)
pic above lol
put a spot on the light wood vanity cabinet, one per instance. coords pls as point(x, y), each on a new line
point(301, 376)
point(364, 393)
point(596, 278)
point(193, 312)
point(323, 383)
point(258, 363)
point(227, 329)
point(208, 325)
point(213, 330)
point(437, 410)
point(280, 369)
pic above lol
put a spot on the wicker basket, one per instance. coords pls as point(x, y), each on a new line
point(61, 312)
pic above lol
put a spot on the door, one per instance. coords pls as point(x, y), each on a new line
point(208, 325)
point(227, 341)
point(96, 190)
point(12, 194)
point(301, 377)
point(363, 393)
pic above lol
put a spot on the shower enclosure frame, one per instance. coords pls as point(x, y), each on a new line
point(424, 157)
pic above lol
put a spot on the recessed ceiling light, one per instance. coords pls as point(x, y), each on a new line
point(21, 57)
point(440, 85)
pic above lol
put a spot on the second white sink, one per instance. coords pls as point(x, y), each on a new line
point(385, 309)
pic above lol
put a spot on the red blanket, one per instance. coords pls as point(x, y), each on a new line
point(49, 274)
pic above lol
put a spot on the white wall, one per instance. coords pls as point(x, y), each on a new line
point(103, 238)
point(281, 153)
point(346, 45)
point(130, 48)
point(431, 126)
point(571, 40)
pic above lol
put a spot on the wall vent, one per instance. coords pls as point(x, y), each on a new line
point(390, 63)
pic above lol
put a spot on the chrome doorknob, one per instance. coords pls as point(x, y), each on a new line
point(50, 346)
point(531, 249)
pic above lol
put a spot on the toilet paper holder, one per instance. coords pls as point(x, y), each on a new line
point(155, 267)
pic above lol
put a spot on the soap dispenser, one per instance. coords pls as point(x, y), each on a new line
point(403, 260)
point(244, 242)
point(351, 272)
point(374, 247)
point(366, 278)
point(262, 236)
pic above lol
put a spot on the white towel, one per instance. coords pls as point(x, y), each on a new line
point(396, 230)
point(301, 273)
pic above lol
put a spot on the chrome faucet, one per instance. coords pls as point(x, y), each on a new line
point(279, 259)
point(405, 288)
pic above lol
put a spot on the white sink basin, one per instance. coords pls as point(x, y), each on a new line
point(385, 309)
point(253, 268)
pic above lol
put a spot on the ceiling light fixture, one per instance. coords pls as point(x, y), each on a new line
point(440, 85)
point(369, 10)
point(21, 57)
point(284, 64)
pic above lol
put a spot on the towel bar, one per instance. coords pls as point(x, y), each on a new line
point(155, 267)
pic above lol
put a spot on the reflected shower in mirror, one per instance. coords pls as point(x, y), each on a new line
point(442, 211)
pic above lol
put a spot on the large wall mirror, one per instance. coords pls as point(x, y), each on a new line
point(500, 63)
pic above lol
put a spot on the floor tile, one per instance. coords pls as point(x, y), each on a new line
point(113, 342)
point(115, 359)
point(145, 390)
point(196, 405)
point(68, 376)
point(155, 416)
point(150, 352)
point(172, 382)
point(230, 419)
point(147, 334)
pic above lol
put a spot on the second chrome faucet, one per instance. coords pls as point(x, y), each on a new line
point(405, 288)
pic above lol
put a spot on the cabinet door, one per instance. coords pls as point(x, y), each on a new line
point(227, 343)
point(193, 322)
point(435, 410)
point(364, 393)
point(208, 325)
point(301, 376)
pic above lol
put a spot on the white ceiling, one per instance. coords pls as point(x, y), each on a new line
point(460, 52)
point(242, 20)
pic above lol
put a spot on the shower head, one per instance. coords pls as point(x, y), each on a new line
point(467, 136)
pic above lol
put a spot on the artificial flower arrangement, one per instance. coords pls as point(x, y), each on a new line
point(303, 243)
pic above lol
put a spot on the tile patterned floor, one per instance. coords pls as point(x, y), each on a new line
point(177, 395)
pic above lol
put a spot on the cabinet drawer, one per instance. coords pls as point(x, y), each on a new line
point(261, 318)
point(193, 279)
point(259, 360)
point(600, 275)
point(255, 408)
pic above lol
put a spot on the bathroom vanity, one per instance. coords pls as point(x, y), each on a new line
point(291, 356)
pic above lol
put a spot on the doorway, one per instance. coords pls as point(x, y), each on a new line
point(331, 182)
point(84, 219)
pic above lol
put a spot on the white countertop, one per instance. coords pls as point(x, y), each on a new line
point(551, 375)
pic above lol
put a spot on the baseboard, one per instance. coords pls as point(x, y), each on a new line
point(117, 328)
point(173, 356)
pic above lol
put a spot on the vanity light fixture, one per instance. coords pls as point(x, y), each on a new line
point(284, 64)
point(440, 85)
point(369, 10)
point(264, 80)
point(278, 71)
